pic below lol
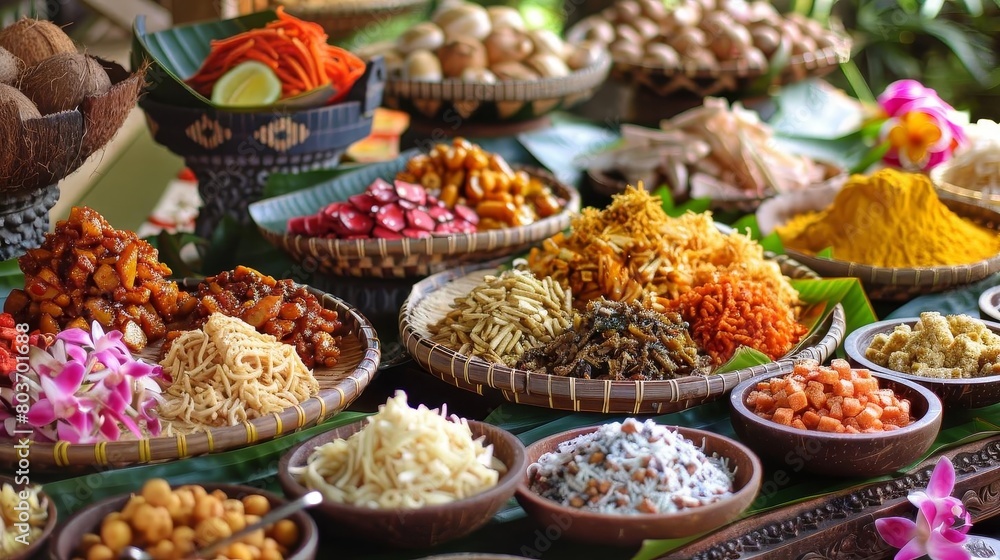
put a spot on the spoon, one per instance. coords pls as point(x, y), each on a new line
point(308, 500)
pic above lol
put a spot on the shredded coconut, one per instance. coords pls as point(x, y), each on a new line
point(631, 468)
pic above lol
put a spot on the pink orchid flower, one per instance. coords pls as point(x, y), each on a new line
point(86, 388)
point(934, 532)
point(921, 130)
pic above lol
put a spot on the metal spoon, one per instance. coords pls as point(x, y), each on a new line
point(308, 500)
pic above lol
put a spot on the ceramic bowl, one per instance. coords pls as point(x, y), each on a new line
point(954, 393)
point(87, 520)
point(631, 530)
point(36, 544)
point(411, 528)
point(833, 454)
point(989, 304)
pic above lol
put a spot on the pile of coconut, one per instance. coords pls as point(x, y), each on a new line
point(57, 105)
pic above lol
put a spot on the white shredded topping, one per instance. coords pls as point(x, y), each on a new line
point(631, 468)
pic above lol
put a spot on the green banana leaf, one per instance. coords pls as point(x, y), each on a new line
point(10, 277)
point(178, 52)
point(845, 291)
point(255, 466)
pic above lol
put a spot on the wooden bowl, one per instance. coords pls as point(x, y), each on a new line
point(854, 455)
point(396, 258)
point(631, 530)
point(974, 392)
point(88, 520)
point(989, 304)
point(411, 528)
point(35, 545)
point(883, 283)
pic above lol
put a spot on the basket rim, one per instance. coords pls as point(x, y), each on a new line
point(349, 8)
point(453, 89)
point(459, 243)
point(51, 456)
point(838, 53)
point(662, 394)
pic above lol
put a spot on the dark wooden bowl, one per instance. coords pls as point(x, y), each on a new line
point(974, 392)
point(32, 550)
point(631, 530)
point(989, 305)
point(88, 520)
point(411, 528)
point(860, 455)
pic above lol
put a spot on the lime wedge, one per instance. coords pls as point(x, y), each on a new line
point(248, 84)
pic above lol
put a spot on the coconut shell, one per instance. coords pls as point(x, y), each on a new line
point(34, 40)
point(62, 81)
point(25, 108)
point(10, 67)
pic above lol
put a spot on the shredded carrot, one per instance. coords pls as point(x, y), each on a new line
point(295, 49)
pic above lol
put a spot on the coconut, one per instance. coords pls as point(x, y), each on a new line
point(10, 67)
point(60, 82)
point(34, 40)
point(25, 108)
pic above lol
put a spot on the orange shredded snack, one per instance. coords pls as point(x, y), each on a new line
point(733, 312)
point(832, 398)
point(632, 249)
point(295, 49)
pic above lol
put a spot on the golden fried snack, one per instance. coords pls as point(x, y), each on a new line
point(88, 271)
point(464, 173)
point(280, 308)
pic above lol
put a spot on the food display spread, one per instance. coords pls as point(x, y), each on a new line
point(624, 319)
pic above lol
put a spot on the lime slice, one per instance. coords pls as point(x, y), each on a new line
point(248, 84)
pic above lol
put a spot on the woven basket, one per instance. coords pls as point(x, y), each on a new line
point(883, 283)
point(454, 102)
point(401, 258)
point(732, 76)
point(344, 19)
point(430, 300)
point(339, 386)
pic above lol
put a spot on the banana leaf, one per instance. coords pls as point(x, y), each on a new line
point(845, 291)
point(178, 52)
point(10, 277)
point(254, 466)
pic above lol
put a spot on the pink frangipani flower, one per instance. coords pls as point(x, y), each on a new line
point(934, 533)
point(920, 130)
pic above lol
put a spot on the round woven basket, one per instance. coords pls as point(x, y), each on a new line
point(339, 386)
point(345, 18)
point(453, 102)
point(400, 258)
point(430, 299)
point(732, 76)
point(885, 283)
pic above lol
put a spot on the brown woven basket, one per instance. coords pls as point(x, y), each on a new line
point(883, 283)
point(431, 297)
point(454, 100)
point(401, 258)
point(345, 18)
point(339, 386)
point(734, 75)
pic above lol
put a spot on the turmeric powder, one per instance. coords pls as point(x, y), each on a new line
point(890, 219)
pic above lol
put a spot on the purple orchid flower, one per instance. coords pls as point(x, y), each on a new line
point(934, 532)
point(86, 388)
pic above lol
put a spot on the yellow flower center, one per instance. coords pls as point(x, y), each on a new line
point(914, 134)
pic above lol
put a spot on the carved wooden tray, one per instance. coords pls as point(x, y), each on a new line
point(841, 526)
